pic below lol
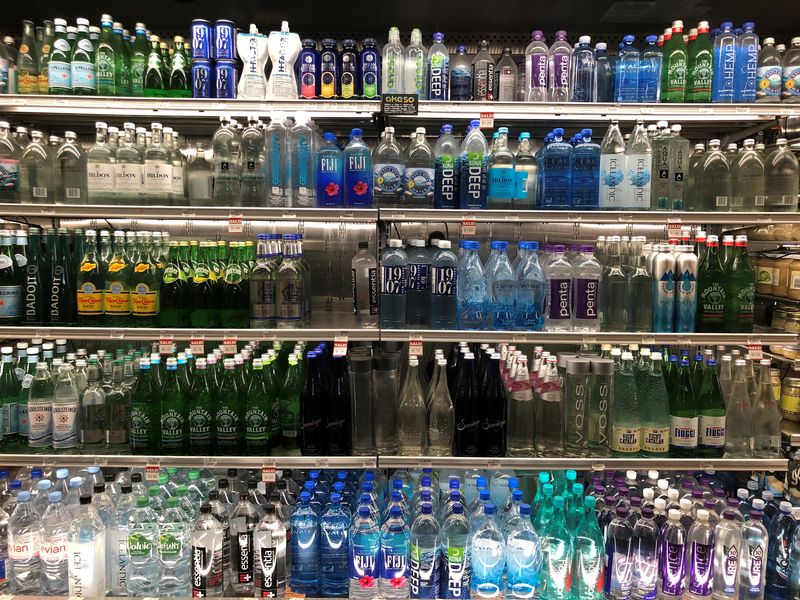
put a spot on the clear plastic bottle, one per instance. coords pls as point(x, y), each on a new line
point(472, 297)
point(700, 557)
point(36, 171)
point(558, 69)
point(206, 576)
point(587, 273)
point(437, 70)
point(358, 174)
point(638, 161)
point(413, 64)
point(584, 72)
point(673, 561)
point(70, 171)
point(253, 153)
point(483, 74)
point(506, 77)
point(472, 167)
point(559, 292)
point(536, 57)
point(365, 286)
point(612, 169)
point(53, 551)
point(460, 76)
point(782, 177)
point(394, 555)
point(86, 545)
point(24, 541)
point(271, 553)
point(388, 167)
point(419, 172)
point(443, 276)
point(769, 75)
point(392, 68)
point(752, 560)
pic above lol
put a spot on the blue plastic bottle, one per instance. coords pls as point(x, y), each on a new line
point(724, 64)
point(330, 174)
point(438, 69)
point(488, 556)
point(424, 556)
point(585, 169)
point(418, 287)
point(460, 76)
point(357, 172)
point(335, 549)
point(365, 543)
point(584, 80)
point(500, 286)
point(369, 67)
point(619, 555)
point(529, 290)
point(747, 48)
point(471, 288)
point(329, 69)
point(394, 557)
point(455, 561)
point(524, 556)
point(473, 163)
point(445, 153)
point(556, 178)
point(650, 71)
point(308, 70)
point(628, 68)
point(394, 277)
point(781, 539)
point(305, 548)
point(444, 274)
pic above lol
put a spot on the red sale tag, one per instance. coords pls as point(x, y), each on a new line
point(487, 120)
point(415, 346)
point(235, 225)
point(268, 474)
point(151, 473)
point(340, 345)
point(468, 226)
point(166, 345)
point(197, 346)
point(756, 351)
point(229, 345)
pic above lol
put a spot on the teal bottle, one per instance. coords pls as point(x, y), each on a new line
point(557, 554)
point(589, 555)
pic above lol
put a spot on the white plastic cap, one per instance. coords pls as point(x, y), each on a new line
point(660, 503)
point(585, 39)
point(702, 515)
point(758, 504)
point(672, 494)
point(630, 475)
point(674, 514)
point(769, 40)
point(444, 244)
point(785, 506)
point(686, 504)
point(417, 243)
point(652, 474)
point(600, 46)
point(648, 494)
point(395, 243)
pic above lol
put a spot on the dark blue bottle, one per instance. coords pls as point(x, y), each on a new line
point(330, 174)
point(348, 73)
point(493, 406)
point(308, 70)
point(312, 407)
point(370, 68)
point(586, 172)
point(329, 69)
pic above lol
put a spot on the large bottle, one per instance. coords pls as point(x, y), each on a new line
point(506, 78)
point(615, 289)
point(483, 74)
point(699, 556)
point(672, 572)
point(502, 178)
point(673, 72)
point(437, 68)
point(471, 293)
point(473, 162)
point(413, 63)
point(724, 64)
point(739, 416)
point(612, 169)
point(388, 167)
point(558, 69)
point(782, 178)
point(226, 161)
point(278, 148)
point(782, 532)
point(443, 277)
point(419, 172)
point(283, 50)
point(253, 183)
point(460, 76)
point(714, 184)
point(587, 275)
point(536, 55)
point(330, 173)
point(655, 412)
point(394, 555)
point(357, 172)
point(769, 73)
point(446, 192)
point(650, 71)
point(747, 53)
point(748, 179)
point(752, 558)
point(638, 162)
point(418, 287)
point(739, 290)
point(585, 172)
point(766, 435)
point(394, 278)
point(627, 71)
point(556, 181)
point(36, 171)
point(392, 66)
point(559, 292)
point(625, 421)
point(619, 555)
point(700, 66)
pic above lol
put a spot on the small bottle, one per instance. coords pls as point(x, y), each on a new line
point(364, 269)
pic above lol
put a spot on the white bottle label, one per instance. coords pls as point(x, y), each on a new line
point(128, 178)
point(24, 547)
point(65, 424)
point(100, 178)
point(54, 550)
point(684, 432)
point(612, 181)
point(712, 431)
point(157, 179)
point(625, 439)
point(638, 173)
point(655, 440)
point(87, 568)
point(40, 424)
point(177, 182)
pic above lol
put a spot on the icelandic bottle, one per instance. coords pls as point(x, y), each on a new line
point(612, 170)
point(414, 66)
point(460, 76)
point(724, 64)
point(388, 169)
point(437, 68)
point(419, 172)
point(357, 172)
point(445, 152)
point(501, 176)
point(329, 173)
point(472, 168)
point(638, 163)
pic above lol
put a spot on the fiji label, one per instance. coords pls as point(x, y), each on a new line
point(424, 572)
point(684, 432)
point(655, 440)
point(560, 299)
point(394, 279)
point(443, 281)
point(701, 569)
point(65, 424)
point(40, 428)
point(419, 182)
point(364, 568)
point(90, 299)
point(586, 298)
point(712, 431)
point(625, 440)
point(769, 84)
point(394, 566)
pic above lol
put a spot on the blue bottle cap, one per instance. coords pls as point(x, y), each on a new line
point(455, 495)
point(62, 473)
point(516, 495)
point(726, 25)
point(342, 475)
point(438, 37)
point(629, 39)
point(4, 473)
point(471, 245)
point(427, 470)
point(711, 362)
point(499, 245)
point(586, 132)
point(309, 43)
point(427, 508)
point(328, 42)
point(305, 497)
point(749, 26)
point(395, 512)
point(24, 496)
point(547, 489)
point(369, 476)
point(329, 137)
point(571, 475)
point(356, 133)
point(367, 487)
point(544, 477)
point(651, 39)
point(309, 485)
point(590, 501)
point(16, 484)
point(673, 358)
point(336, 498)
point(534, 245)
point(447, 129)
point(338, 486)
point(363, 511)
point(684, 363)
point(397, 484)
point(425, 481)
point(524, 509)
point(369, 42)
point(425, 495)
point(44, 484)
point(513, 483)
point(36, 473)
point(475, 123)
point(458, 508)
point(524, 245)
point(461, 49)
point(489, 509)
point(397, 496)
point(558, 132)
point(55, 496)
point(558, 501)
point(365, 499)
point(484, 495)
point(454, 484)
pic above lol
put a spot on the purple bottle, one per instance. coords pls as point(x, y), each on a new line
point(673, 557)
point(536, 55)
point(619, 556)
point(558, 68)
point(700, 556)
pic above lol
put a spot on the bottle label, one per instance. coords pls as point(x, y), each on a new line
point(227, 422)
point(144, 301)
point(730, 569)
point(587, 298)
point(25, 548)
point(700, 571)
point(561, 62)
point(754, 578)
point(612, 177)
point(257, 422)
point(177, 181)
point(242, 556)
point(625, 439)
point(560, 299)
point(202, 567)
point(394, 279)
point(157, 179)
point(456, 573)
point(139, 546)
point(54, 549)
point(9, 418)
point(703, 73)
point(769, 82)
point(104, 63)
point(348, 75)
point(65, 424)
point(10, 302)
point(364, 568)
point(308, 76)
point(9, 174)
point(655, 440)
point(684, 432)
point(372, 277)
point(40, 429)
point(424, 572)
point(418, 277)
point(502, 181)
point(84, 580)
point(538, 71)
point(59, 73)
point(23, 419)
point(369, 75)
point(117, 299)
point(791, 82)
point(638, 167)
point(673, 569)
point(173, 425)
point(521, 184)
point(443, 281)
point(90, 299)
point(419, 182)
point(460, 83)
point(394, 566)
point(290, 298)
point(128, 178)
point(473, 180)
point(140, 428)
point(712, 431)
point(83, 75)
point(171, 539)
point(745, 298)
point(199, 427)
point(438, 76)
point(619, 571)
point(267, 571)
point(392, 72)
point(712, 302)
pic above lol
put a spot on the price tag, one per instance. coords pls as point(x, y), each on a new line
point(151, 473)
point(340, 345)
point(760, 200)
point(235, 225)
point(674, 230)
point(197, 346)
point(268, 474)
point(415, 346)
point(468, 226)
point(399, 104)
point(756, 351)
point(229, 345)
point(487, 120)
point(166, 345)
point(722, 201)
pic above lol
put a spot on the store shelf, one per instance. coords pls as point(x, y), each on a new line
point(600, 337)
point(781, 361)
point(197, 109)
point(111, 211)
point(222, 462)
point(778, 299)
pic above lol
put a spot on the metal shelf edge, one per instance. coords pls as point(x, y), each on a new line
point(610, 337)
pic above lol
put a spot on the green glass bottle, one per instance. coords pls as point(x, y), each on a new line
point(145, 285)
point(174, 285)
point(174, 413)
point(655, 411)
point(153, 77)
point(90, 282)
point(290, 406)
point(202, 409)
point(683, 415)
point(710, 289)
point(202, 291)
point(258, 414)
point(144, 426)
point(700, 66)
point(179, 77)
point(44, 47)
point(28, 61)
point(235, 313)
point(740, 286)
point(105, 58)
point(9, 394)
point(11, 280)
point(166, 61)
point(272, 389)
point(185, 382)
point(23, 416)
point(711, 414)
point(59, 78)
point(117, 294)
point(122, 62)
point(83, 71)
point(229, 421)
point(673, 78)
point(139, 55)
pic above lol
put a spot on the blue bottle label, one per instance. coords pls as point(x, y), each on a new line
point(701, 569)
point(278, 151)
point(83, 75)
point(664, 302)
point(394, 279)
point(438, 77)
point(418, 278)
point(747, 65)
point(364, 568)
point(303, 167)
point(445, 181)
point(59, 75)
point(520, 185)
point(419, 181)
point(673, 570)
point(454, 581)
point(502, 182)
point(387, 179)
point(460, 84)
point(586, 298)
point(619, 572)
point(726, 71)
point(443, 281)
point(686, 302)
point(424, 572)
point(394, 566)
point(769, 82)
point(560, 299)
point(791, 81)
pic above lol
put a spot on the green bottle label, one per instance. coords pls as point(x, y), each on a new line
point(105, 69)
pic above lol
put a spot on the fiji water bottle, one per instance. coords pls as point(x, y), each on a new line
point(330, 173)
point(394, 554)
point(357, 172)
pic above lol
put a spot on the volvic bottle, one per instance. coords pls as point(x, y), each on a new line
point(446, 191)
point(388, 167)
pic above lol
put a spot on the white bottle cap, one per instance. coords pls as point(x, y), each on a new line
point(660, 503)
point(444, 244)
point(769, 41)
point(395, 243)
point(672, 494)
point(686, 504)
point(417, 243)
point(630, 475)
point(585, 39)
point(674, 515)
point(702, 515)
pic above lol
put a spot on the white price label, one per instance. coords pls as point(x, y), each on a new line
point(756, 351)
point(722, 201)
point(197, 346)
point(674, 230)
point(151, 473)
point(468, 226)
point(415, 346)
point(229, 345)
point(235, 225)
point(268, 474)
point(487, 120)
point(166, 345)
point(340, 345)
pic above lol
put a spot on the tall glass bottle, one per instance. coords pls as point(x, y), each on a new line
point(174, 413)
point(739, 416)
point(441, 415)
point(36, 171)
point(83, 65)
point(767, 418)
point(739, 290)
point(117, 285)
point(711, 413)
point(145, 284)
point(89, 285)
point(71, 171)
point(28, 61)
point(411, 414)
point(106, 58)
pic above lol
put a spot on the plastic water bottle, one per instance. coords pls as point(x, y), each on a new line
point(650, 71)
point(724, 64)
point(424, 554)
point(438, 69)
point(502, 178)
point(727, 553)
point(483, 74)
point(781, 538)
point(471, 294)
point(394, 277)
point(525, 174)
point(536, 61)
point(585, 170)
point(781, 175)
point(392, 66)
point(586, 275)
point(357, 172)
point(206, 575)
point(394, 555)
point(388, 167)
point(334, 549)
point(619, 555)
point(752, 563)
point(444, 275)
point(364, 555)
point(279, 150)
point(143, 568)
point(329, 163)
point(605, 73)
point(53, 552)
point(746, 77)
point(645, 555)
point(628, 68)
point(673, 557)
point(556, 157)
point(418, 287)
point(24, 541)
point(419, 172)
point(769, 74)
point(455, 548)
point(700, 556)
point(86, 544)
point(558, 69)
point(524, 556)
point(472, 168)
point(557, 550)
point(488, 556)
point(500, 285)
point(559, 292)
point(612, 169)
point(117, 542)
point(638, 164)
point(529, 290)
point(305, 578)
point(460, 76)
point(173, 550)
point(445, 152)
point(414, 56)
